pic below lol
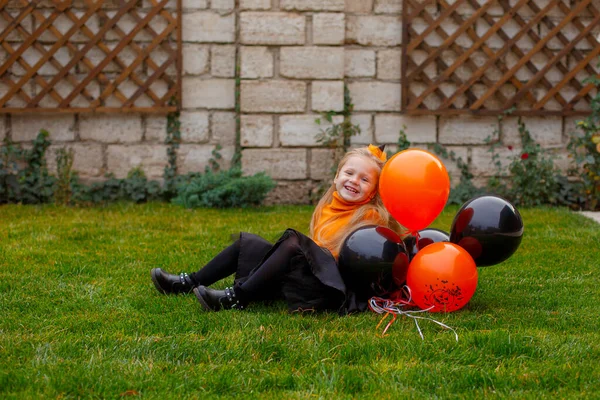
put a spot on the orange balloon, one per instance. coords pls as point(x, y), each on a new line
point(414, 186)
point(442, 277)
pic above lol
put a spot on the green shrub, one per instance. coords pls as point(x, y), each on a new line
point(585, 151)
point(136, 187)
point(224, 189)
point(534, 179)
point(172, 140)
point(10, 155)
point(64, 176)
point(465, 189)
point(25, 177)
point(97, 192)
point(35, 182)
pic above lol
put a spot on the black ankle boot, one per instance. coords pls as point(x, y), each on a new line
point(171, 284)
point(215, 300)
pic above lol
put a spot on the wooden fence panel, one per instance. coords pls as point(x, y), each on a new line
point(487, 57)
point(86, 55)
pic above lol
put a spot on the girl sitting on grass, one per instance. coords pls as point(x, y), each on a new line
point(302, 270)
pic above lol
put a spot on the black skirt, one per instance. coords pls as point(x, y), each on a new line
point(313, 282)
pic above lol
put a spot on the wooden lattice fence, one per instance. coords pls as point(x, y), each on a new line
point(487, 57)
point(84, 55)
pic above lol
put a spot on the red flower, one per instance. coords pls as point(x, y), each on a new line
point(510, 147)
point(524, 156)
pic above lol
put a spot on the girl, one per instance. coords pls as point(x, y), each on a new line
point(299, 269)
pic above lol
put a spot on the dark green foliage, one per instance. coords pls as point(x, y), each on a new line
point(570, 193)
point(213, 162)
point(585, 151)
point(172, 141)
point(533, 173)
point(37, 185)
point(236, 160)
point(338, 135)
point(136, 187)
point(534, 177)
point(535, 180)
point(139, 189)
point(98, 192)
point(10, 155)
point(403, 143)
point(224, 189)
point(24, 177)
point(465, 189)
point(65, 176)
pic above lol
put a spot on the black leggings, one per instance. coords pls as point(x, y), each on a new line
point(268, 273)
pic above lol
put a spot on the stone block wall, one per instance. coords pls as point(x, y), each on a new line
point(118, 142)
point(277, 65)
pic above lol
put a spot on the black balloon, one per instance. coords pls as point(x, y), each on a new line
point(373, 261)
point(489, 227)
point(426, 237)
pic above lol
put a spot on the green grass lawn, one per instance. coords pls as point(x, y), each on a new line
point(80, 317)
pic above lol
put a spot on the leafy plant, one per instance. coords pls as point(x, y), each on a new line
point(24, 177)
point(236, 160)
point(403, 143)
point(570, 192)
point(213, 162)
point(172, 140)
point(337, 137)
point(36, 185)
point(533, 175)
point(585, 151)
point(465, 189)
point(10, 154)
point(65, 176)
point(137, 188)
point(106, 191)
point(224, 189)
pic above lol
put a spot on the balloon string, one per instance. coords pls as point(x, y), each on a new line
point(394, 308)
point(417, 238)
point(382, 319)
point(389, 323)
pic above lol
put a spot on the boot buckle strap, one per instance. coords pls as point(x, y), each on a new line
point(232, 298)
point(185, 279)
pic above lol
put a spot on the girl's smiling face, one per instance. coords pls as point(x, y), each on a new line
point(357, 179)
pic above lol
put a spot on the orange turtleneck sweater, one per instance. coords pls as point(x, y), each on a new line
point(336, 216)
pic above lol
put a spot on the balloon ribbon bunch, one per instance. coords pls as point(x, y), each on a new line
point(395, 307)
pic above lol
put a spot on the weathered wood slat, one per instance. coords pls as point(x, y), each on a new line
point(539, 21)
point(55, 63)
point(420, 38)
point(450, 39)
point(69, 86)
point(140, 57)
point(496, 56)
point(470, 63)
point(558, 56)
